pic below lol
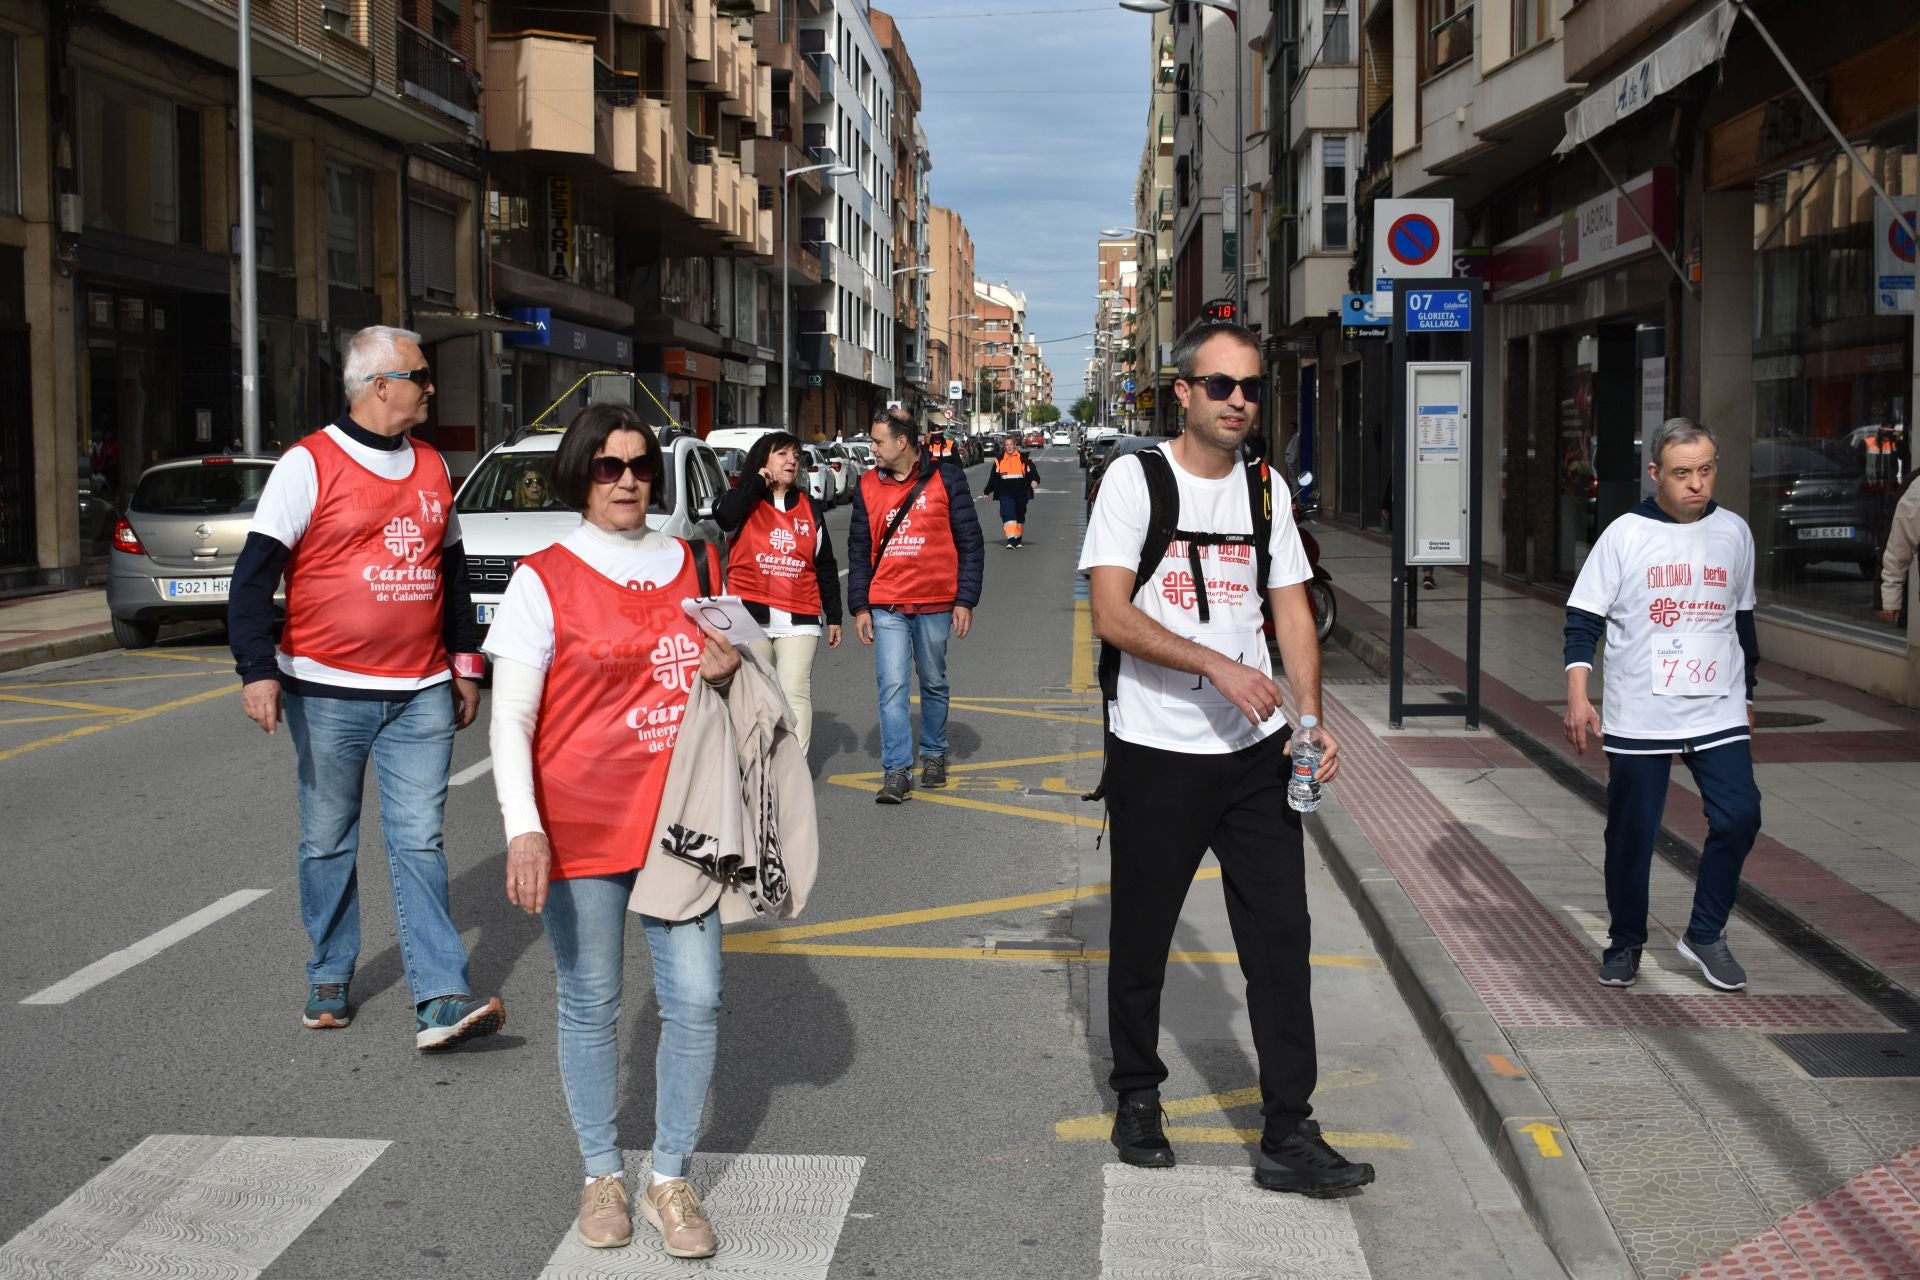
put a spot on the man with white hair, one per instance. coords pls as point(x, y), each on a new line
point(379, 659)
point(1670, 586)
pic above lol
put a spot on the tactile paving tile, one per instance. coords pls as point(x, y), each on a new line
point(1210, 1222)
point(1523, 962)
point(1868, 1229)
point(1765, 1257)
point(776, 1218)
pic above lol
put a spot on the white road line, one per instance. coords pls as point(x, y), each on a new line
point(1200, 1222)
point(471, 772)
point(777, 1218)
point(190, 1205)
point(111, 966)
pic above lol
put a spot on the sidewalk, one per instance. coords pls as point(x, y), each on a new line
point(46, 628)
point(1683, 1115)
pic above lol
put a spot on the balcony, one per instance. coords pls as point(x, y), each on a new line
point(434, 74)
point(644, 13)
point(533, 93)
point(822, 65)
point(1326, 98)
point(917, 374)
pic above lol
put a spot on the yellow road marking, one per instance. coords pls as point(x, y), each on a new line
point(182, 656)
point(95, 707)
point(929, 915)
point(71, 715)
point(1059, 787)
point(1542, 1135)
point(1096, 1128)
point(963, 704)
point(151, 675)
point(750, 944)
point(115, 723)
point(1064, 700)
point(1082, 680)
point(862, 781)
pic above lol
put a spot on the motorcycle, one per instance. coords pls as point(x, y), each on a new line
point(1320, 586)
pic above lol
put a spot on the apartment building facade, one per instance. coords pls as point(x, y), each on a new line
point(912, 163)
point(1153, 211)
point(952, 319)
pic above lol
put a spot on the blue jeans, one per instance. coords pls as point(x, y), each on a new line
point(1636, 801)
point(410, 741)
point(901, 642)
point(587, 928)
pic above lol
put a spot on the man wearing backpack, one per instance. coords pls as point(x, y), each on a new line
point(1182, 545)
point(914, 561)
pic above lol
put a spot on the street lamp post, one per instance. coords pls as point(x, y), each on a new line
point(786, 267)
point(1232, 9)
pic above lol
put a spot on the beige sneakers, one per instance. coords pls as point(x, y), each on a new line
point(675, 1212)
point(604, 1221)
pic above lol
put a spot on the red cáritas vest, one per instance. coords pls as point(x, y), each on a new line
point(771, 562)
point(921, 566)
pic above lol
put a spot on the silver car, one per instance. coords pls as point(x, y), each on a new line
point(173, 552)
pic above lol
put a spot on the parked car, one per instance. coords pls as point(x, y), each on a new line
point(732, 463)
point(503, 519)
point(739, 437)
point(846, 467)
point(1116, 447)
point(819, 477)
point(173, 552)
point(1813, 492)
point(863, 451)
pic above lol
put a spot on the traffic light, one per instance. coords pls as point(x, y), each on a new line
point(1220, 311)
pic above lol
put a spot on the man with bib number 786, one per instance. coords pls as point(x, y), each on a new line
point(1670, 585)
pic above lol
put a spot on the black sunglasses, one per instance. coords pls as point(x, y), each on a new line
point(606, 469)
point(1219, 386)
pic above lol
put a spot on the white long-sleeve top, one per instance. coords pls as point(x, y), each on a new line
point(1902, 539)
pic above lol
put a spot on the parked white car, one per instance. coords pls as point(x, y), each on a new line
point(508, 511)
point(851, 467)
point(822, 485)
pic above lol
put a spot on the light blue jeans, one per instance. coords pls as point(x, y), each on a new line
point(410, 742)
point(587, 928)
point(901, 644)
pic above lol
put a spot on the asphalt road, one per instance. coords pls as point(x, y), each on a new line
point(915, 1091)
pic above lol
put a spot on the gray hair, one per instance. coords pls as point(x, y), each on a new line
point(1676, 431)
point(372, 351)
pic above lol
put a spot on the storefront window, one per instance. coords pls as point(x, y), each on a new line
point(1833, 378)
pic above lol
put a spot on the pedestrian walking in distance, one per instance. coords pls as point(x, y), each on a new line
point(379, 660)
point(1670, 586)
point(914, 562)
point(1014, 480)
point(1196, 749)
point(594, 659)
point(782, 567)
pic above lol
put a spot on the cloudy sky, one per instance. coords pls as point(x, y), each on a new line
point(1035, 117)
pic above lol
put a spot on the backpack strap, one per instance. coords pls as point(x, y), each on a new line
point(1163, 521)
point(1260, 503)
point(706, 564)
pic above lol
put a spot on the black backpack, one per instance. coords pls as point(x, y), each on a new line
point(1163, 530)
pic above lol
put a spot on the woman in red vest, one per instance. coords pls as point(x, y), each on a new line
point(782, 566)
point(593, 660)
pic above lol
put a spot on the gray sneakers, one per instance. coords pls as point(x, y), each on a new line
point(897, 788)
point(933, 772)
point(1622, 969)
point(1716, 963)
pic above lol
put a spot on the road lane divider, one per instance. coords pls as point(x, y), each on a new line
point(111, 966)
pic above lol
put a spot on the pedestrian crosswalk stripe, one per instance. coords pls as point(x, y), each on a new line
point(776, 1217)
point(190, 1206)
point(111, 966)
point(1211, 1222)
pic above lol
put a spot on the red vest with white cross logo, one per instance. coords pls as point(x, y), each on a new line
point(772, 558)
point(363, 587)
point(625, 656)
point(921, 566)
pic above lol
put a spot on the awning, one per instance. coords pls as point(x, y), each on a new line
point(1697, 46)
point(433, 326)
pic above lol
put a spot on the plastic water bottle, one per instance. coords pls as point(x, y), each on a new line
point(1303, 788)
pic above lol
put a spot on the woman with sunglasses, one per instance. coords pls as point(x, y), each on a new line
point(782, 567)
point(531, 491)
point(593, 661)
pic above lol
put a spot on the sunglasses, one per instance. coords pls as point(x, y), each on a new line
point(1219, 386)
point(422, 378)
point(607, 469)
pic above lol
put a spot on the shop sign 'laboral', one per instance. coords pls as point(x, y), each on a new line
point(1597, 234)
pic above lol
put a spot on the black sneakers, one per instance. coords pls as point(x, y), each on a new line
point(897, 787)
point(1137, 1134)
point(933, 771)
point(1303, 1162)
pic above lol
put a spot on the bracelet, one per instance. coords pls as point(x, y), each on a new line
point(468, 666)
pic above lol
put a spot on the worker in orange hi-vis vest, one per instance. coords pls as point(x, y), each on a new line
point(1015, 480)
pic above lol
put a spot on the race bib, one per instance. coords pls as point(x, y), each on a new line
point(1184, 689)
point(1692, 665)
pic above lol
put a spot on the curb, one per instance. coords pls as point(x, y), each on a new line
point(1555, 1190)
point(32, 655)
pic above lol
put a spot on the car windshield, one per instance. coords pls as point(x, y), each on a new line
point(511, 482)
point(209, 489)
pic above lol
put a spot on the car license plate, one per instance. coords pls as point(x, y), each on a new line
point(1827, 533)
point(483, 614)
point(183, 588)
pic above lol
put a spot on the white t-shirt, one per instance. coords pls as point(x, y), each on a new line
point(285, 511)
point(1173, 710)
point(1669, 592)
point(523, 625)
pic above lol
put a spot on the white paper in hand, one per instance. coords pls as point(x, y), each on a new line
point(725, 614)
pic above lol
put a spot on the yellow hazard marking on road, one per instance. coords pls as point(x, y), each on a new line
point(968, 704)
point(130, 679)
point(1542, 1134)
point(179, 656)
point(146, 713)
point(1083, 676)
point(1096, 1128)
point(1504, 1066)
point(96, 708)
point(967, 777)
point(71, 715)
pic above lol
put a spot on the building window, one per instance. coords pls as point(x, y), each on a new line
point(1333, 193)
point(128, 179)
point(349, 228)
point(431, 275)
point(1532, 23)
point(9, 130)
point(1449, 25)
point(273, 221)
point(1336, 43)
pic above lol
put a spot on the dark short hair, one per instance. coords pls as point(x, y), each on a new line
point(765, 447)
point(585, 435)
point(900, 424)
point(1187, 349)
